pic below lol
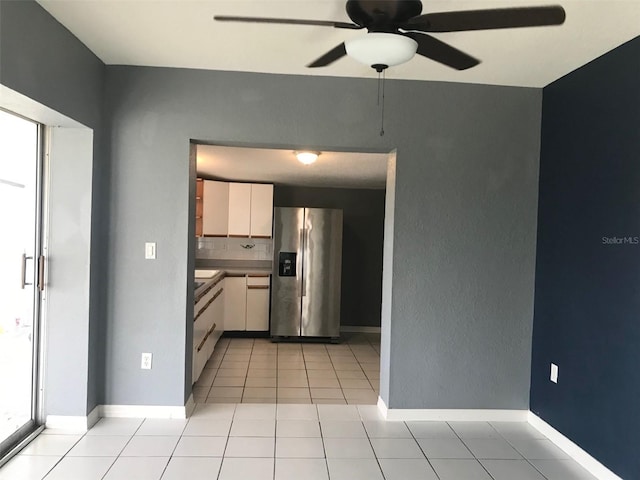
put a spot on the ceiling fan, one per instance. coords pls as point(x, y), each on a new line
point(397, 30)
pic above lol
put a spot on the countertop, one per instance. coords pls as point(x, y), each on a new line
point(220, 273)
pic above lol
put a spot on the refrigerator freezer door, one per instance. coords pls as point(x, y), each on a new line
point(322, 262)
point(288, 225)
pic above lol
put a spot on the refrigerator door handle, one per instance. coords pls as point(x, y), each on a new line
point(300, 271)
point(305, 250)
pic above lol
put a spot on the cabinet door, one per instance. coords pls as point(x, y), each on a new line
point(239, 209)
point(215, 208)
point(257, 304)
point(235, 303)
point(261, 210)
point(257, 309)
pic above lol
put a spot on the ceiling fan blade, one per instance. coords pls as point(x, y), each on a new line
point(329, 57)
point(287, 21)
point(487, 19)
point(444, 53)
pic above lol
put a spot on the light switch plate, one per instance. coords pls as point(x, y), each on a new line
point(150, 250)
point(554, 373)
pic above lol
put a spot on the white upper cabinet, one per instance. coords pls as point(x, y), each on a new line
point(261, 210)
point(239, 209)
point(236, 210)
point(215, 209)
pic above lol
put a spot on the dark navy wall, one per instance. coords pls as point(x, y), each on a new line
point(587, 299)
point(362, 242)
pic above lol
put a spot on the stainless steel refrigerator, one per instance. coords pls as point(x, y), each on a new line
point(305, 290)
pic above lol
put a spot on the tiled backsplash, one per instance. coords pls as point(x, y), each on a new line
point(222, 248)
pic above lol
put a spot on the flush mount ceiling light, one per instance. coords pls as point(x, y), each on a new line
point(307, 157)
point(381, 49)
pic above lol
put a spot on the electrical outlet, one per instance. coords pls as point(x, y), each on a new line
point(554, 373)
point(145, 363)
point(150, 250)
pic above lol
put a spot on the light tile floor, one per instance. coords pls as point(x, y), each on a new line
point(287, 442)
point(247, 370)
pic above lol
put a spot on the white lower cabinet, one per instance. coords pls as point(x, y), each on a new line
point(235, 308)
point(257, 304)
point(207, 327)
point(247, 303)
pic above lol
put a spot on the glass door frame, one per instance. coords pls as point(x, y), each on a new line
point(15, 442)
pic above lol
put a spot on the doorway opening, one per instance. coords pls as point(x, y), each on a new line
point(20, 276)
point(246, 367)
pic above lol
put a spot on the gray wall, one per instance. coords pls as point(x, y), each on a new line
point(363, 225)
point(41, 60)
point(464, 247)
point(465, 221)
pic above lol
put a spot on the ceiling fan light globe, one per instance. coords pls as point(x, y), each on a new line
point(381, 49)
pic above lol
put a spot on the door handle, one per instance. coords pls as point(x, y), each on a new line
point(23, 274)
point(41, 273)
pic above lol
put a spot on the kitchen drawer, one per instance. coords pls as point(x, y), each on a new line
point(207, 296)
point(255, 280)
point(207, 328)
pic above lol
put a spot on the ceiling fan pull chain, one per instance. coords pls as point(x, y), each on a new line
point(382, 119)
point(379, 73)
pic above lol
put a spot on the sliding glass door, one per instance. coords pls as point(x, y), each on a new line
point(20, 222)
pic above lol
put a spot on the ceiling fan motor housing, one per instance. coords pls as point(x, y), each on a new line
point(382, 15)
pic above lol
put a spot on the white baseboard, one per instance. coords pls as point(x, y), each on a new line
point(589, 463)
point(73, 423)
point(80, 424)
point(451, 415)
point(143, 411)
point(358, 329)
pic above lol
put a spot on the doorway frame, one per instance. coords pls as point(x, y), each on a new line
point(388, 254)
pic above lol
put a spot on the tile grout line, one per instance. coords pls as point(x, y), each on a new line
point(246, 374)
point(62, 457)
point(226, 444)
point(516, 449)
point(420, 447)
point(375, 455)
point(336, 373)
point(473, 454)
point(117, 456)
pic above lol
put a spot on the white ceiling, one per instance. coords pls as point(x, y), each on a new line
point(332, 169)
point(182, 33)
